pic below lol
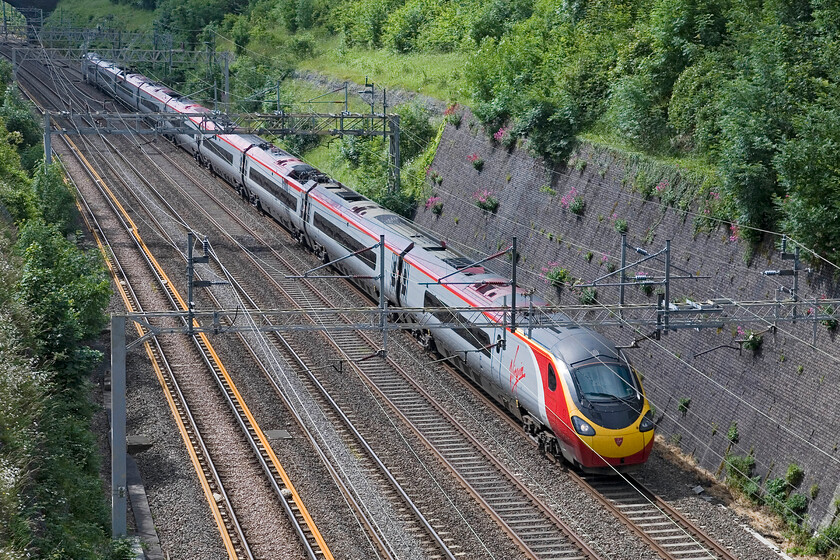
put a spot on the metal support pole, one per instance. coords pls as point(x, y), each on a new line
point(530, 314)
point(383, 302)
point(227, 84)
point(394, 145)
point(667, 281)
point(622, 275)
point(796, 282)
point(513, 290)
point(190, 284)
point(118, 488)
point(47, 139)
point(5, 28)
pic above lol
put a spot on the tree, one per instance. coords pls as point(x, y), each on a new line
point(53, 199)
point(809, 171)
point(66, 291)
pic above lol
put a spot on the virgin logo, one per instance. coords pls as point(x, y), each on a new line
point(517, 374)
point(619, 441)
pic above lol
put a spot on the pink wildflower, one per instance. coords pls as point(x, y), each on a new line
point(432, 201)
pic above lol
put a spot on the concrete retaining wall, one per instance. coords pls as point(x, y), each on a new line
point(784, 399)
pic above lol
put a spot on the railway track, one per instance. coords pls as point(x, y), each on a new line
point(284, 490)
point(232, 534)
point(233, 539)
point(224, 382)
point(536, 529)
point(664, 529)
point(432, 546)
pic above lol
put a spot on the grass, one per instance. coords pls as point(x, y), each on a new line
point(90, 13)
point(599, 135)
point(316, 101)
point(324, 157)
point(436, 75)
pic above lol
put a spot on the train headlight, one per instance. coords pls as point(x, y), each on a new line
point(646, 424)
point(582, 427)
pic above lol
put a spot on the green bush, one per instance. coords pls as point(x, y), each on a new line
point(732, 433)
point(826, 541)
point(694, 106)
point(25, 128)
point(66, 291)
point(808, 171)
point(54, 201)
point(795, 508)
point(794, 475)
point(188, 16)
point(551, 130)
point(558, 276)
point(363, 22)
point(416, 130)
point(739, 476)
point(299, 144)
point(637, 112)
point(403, 25)
point(776, 491)
point(446, 32)
point(496, 17)
point(588, 296)
point(620, 225)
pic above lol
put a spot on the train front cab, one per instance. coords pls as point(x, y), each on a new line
point(599, 434)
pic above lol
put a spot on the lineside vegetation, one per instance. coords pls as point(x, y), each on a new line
point(747, 89)
point(52, 298)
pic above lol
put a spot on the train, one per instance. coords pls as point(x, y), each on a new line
point(573, 391)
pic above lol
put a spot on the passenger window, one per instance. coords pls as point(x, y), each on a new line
point(552, 378)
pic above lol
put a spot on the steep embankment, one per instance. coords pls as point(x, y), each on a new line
point(782, 398)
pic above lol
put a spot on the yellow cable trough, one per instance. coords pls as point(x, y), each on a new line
point(183, 307)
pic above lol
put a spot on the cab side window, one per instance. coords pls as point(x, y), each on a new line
point(552, 378)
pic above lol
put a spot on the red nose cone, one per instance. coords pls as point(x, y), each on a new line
point(619, 441)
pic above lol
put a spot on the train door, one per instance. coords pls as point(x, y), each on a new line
point(399, 275)
point(306, 211)
point(556, 409)
point(497, 355)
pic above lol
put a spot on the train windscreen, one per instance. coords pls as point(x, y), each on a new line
point(599, 381)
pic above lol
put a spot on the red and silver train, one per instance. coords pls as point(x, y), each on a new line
point(571, 388)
